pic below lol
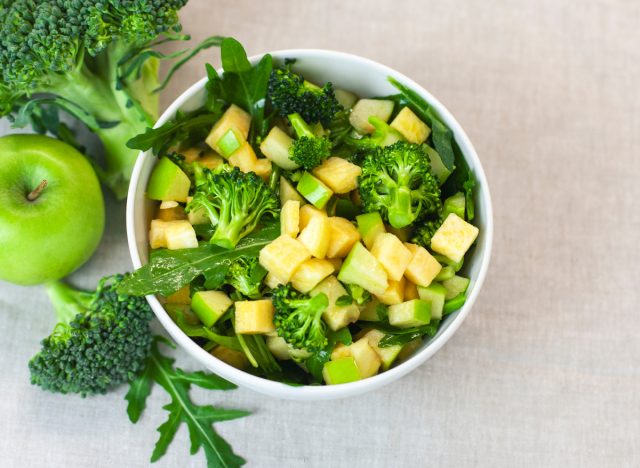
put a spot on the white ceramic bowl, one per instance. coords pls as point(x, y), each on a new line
point(366, 78)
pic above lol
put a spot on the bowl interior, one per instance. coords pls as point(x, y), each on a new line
point(365, 78)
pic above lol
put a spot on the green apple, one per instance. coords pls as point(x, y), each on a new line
point(168, 182)
point(51, 209)
point(342, 370)
point(316, 192)
point(370, 225)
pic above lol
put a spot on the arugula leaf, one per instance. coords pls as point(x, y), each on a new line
point(401, 336)
point(461, 180)
point(201, 331)
point(199, 419)
point(345, 300)
point(169, 270)
point(258, 354)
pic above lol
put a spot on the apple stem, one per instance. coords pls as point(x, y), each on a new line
point(35, 193)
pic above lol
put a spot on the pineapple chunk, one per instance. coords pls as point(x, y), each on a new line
point(392, 255)
point(394, 293)
point(366, 358)
point(244, 158)
point(340, 351)
point(336, 263)
point(263, 169)
point(254, 317)
point(278, 347)
point(276, 148)
point(181, 296)
point(288, 192)
point(170, 211)
point(423, 267)
point(234, 119)
point(232, 357)
point(165, 205)
point(307, 212)
point(342, 238)
point(272, 281)
point(157, 234)
point(283, 256)
point(198, 216)
point(338, 174)
point(310, 273)
point(411, 127)
point(365, 108)
point(454, 237)
point(387, 354)
point(211, 160)
point(345, 98)
point(336, 317)
point(290, 218)
point(410, 290)
point(316, 236)
point(180, 235)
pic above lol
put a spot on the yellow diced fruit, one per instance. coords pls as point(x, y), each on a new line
point(272, 281)
point(454, 237)
point(254, 317)
point(198, 216)
point(263, 169)
point(276, 148)
point(157, 237)
point(180, 235)
point(343, 235)
point(411, 127)
point(336, 263)
point(244, 158)
point(387, 354)
point(170, 211)
point(307, 212)
point(310, 273)
point(234, 119)
point(232, 357)
point(365, 108)
point(288, 192)
point(290, 218)
point(340, 351)
point(283, 256)
point(278, 347)
point(366, 358)
point(422, 268)
point(410, 290)
point(336, 317)
point(191, 154)
point(392, 255)
point(211, 161)
point(181, 296)
point(394, 293)
point(338, 174)
point(316, 236)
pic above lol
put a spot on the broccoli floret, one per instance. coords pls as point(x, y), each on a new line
point(383, 135)
point(102, 339)
point(234, 201)
point(298, 318)
point(290, 93)
point(396, 181)
point(425, 231)
point(308, 150)
point(246, 275)
point(360, 295)
point(90, 59)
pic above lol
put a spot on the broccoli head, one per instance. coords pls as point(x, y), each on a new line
point(290, 93)
point(234, 201)
point(102, 339)
point(383, 135)
point(396, 181)
point(424, 232)
point(245, 275)
point(298, 318)
point(359, 295)
point(308, 150)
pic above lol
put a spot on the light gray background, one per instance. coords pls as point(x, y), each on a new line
point(546, 369)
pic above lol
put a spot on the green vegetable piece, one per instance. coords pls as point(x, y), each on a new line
point(370, 225)
point(455, 285)
point(308, 150)
point(454, 304)
point(414, 313)
point(454, 204)
point(369, 311)
point(446, 261)
point(340, 371)
point(438, 169)
point(228, 143)
point(168, 182)
point(345, 208)
point(435, 295)
point(209, 306)
point(446, 273)
point(361, 268)
point(314, 190)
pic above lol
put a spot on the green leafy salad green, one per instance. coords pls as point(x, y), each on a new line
point(303, 233)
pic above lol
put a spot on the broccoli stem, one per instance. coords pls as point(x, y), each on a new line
point(301, 127)
point(227, 235)
point(400, 209)
point(68, 302)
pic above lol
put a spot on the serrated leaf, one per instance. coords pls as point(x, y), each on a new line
point(139, 390)
point(167, 431)
point(199, 378)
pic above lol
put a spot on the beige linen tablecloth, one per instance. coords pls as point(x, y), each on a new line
point(546, 369)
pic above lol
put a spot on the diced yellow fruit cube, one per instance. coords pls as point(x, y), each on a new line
point(340, 351)
point(423, 267)
point(211, 160)
point(307, 212)
point(244, 158)
point(336, 263)
point(254, 317)
point(367, 359)
point(369, 311)
point(288, 192)
point(263, 169)
point(278, 347)
point(276, 148)
point(411, 127)
point(343, 235)
point(273, 281)
point(387, 354)
point(232, 357)
point(198, 216)
point(168, 204)
point(454, 237)
point(338, 174)
point(410, 290)
point(392, 255)
point(181, 296)
point(234, 119)
point(316, 236)
point(170, 211)
point(336, 317)
point(283, 256)
point(290, 218)
point(394, 293)
point(310, 273)
point(365, 108)
point(157, 234)
point(180, 235)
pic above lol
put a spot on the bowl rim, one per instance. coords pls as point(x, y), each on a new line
point(321, 392)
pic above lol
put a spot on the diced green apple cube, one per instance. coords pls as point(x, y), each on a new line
point(314, 190)
point(414, 313)
point(370, 226)
point(210, 305)
point(435, 295)
point(455, 285)
point(340, 371)
point(228, 144)
point(168, 182)
point(361, 268)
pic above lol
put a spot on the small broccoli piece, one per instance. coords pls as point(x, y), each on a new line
point(298, 318)
point(396, 181)
point(308, 150)
point(290, 93)
point(246, 275)
point(383, 135)
point(358, 293)
point(425, 231)
point(102, 339)
point(234, 201)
